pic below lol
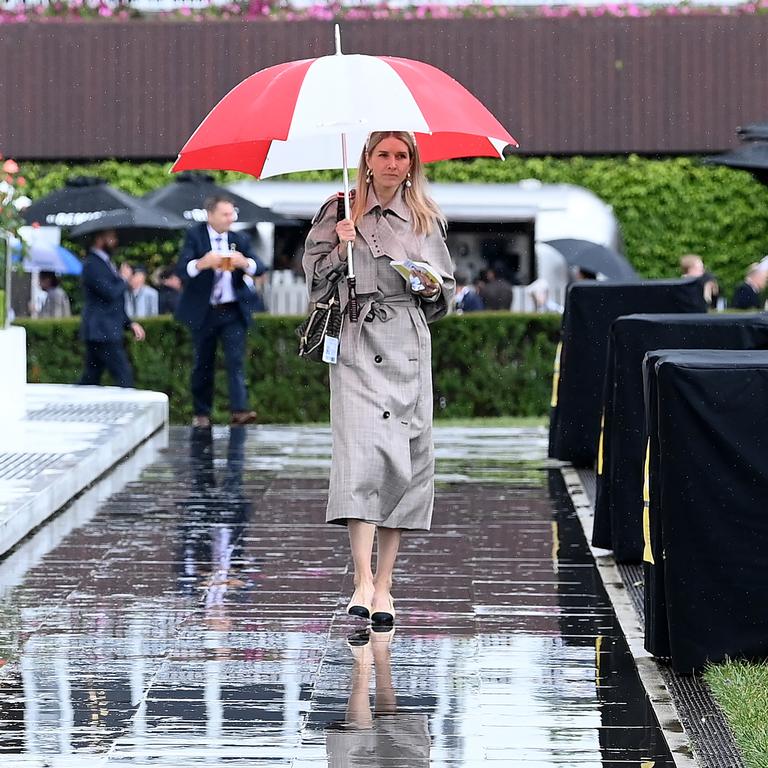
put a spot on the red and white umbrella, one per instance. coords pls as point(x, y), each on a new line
point(313, 113)
point(290, 117)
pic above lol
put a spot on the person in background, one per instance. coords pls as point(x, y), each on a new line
point(104, 320)
point(467, 297)
point(748, 294)
point(692, 265)
point(168, 290)
point(582, 273)
point(217, 305)
point(540, 292)
point(56, 302)
point(141, 300)
point(495, 291)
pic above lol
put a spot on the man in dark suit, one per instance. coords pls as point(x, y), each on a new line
point(495, 291)
point(748, 294)
point(103, 320)
point(217, 303)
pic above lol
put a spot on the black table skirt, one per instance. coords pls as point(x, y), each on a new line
point(706, 595)
point(590, 308)
point(619, 501)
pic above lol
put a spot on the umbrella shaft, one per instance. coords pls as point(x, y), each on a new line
point(347, 210)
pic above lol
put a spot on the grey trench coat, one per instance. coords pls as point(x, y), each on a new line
point(382, 468)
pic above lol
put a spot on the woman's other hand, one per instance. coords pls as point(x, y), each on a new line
point(430, 287)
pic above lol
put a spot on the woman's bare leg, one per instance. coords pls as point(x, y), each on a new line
point(388, 546)
point(359, 704)
point(361, 536)
point(385, 700)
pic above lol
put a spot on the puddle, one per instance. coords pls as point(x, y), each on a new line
point(196, 618)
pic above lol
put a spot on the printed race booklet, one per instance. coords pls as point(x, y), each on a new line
point(404, 268)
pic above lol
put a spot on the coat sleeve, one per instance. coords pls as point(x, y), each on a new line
point(436, 254)
point(190, 250)
point(321, 249)
point(245, 247)
point(102, 281)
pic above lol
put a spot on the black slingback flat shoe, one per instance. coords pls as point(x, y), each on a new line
point(358, 610)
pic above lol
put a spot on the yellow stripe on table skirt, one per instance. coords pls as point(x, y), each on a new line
point(600, 444)
point(556, 375)
point(647, 551)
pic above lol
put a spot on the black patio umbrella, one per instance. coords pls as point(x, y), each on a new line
point(753, 132)
point(136, 224)
point(81, 199)
point(594, 257)
point(752, 157)
point(187, 194)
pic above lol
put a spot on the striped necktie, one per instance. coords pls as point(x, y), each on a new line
point(218, 288)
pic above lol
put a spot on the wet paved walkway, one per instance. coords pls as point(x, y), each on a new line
point(197, 618)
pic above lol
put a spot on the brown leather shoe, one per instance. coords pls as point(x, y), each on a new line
point(241, 418)
point(201, 421)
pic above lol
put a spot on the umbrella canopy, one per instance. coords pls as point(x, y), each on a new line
point(753, 132)
point(82, 199)
point(137, 224)
point(290, 117)
point(594, 257)
point(752, 157)
point(310, 114)
point(48, 257)
point(186, 196)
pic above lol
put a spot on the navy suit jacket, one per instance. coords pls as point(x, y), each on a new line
point(195, 301)
point(103, 317)
point(745, 297)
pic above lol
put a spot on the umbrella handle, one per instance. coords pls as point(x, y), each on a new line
point(352, 305)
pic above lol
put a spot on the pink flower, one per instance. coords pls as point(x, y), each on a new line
point(185, 11)
point(21, 181)
point(10, 166)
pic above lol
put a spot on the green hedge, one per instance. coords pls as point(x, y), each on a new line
point(485, 364)
point(666, 207)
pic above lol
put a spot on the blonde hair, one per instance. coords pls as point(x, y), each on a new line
point(423, 208)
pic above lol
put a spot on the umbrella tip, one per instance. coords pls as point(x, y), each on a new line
point(337, 37)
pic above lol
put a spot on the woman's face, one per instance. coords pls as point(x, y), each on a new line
point(390, 161)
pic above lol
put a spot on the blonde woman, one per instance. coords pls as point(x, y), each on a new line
point(382, 470)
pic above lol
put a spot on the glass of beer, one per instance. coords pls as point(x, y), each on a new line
point(226, 259)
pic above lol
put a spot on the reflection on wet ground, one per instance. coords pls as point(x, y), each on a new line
point(197, 618)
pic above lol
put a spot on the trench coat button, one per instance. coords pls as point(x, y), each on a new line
point(386, 414)
point(377, 359)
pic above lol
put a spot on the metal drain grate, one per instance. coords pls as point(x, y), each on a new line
point(104, 413)
point(701, 717)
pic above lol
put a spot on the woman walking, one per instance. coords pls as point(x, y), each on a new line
point(382, 473)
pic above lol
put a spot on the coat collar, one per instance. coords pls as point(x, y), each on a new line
point(396, 206)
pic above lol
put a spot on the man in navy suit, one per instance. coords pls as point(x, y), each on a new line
point(217, 303)
point(103, 320)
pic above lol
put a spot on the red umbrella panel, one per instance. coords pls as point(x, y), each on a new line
point(290, 117)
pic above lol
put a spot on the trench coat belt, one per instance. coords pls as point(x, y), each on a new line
point(376, 309)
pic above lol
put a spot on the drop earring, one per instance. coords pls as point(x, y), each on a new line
point(368, 176)
point(408, 180)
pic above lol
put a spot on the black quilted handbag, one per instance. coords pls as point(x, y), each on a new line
point(325, 319)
